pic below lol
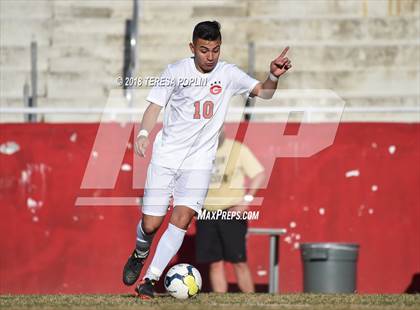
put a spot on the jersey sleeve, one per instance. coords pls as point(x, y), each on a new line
point(250, 163)
point(242, 83)
point(162, 91)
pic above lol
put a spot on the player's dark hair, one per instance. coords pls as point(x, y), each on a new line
point(207, 30)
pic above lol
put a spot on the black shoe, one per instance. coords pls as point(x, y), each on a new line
point(146, 289)
point(133, 267)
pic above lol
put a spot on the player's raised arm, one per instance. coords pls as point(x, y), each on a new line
point(148, 122)
point(278, 67)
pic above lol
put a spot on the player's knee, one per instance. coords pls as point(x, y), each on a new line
point(149, 227)
point(217, 266)
point(181, 219)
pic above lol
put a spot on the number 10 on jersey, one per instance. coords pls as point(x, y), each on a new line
point(205, 112)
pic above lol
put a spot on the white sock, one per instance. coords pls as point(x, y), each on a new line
point(143, 241)
point(168, 246)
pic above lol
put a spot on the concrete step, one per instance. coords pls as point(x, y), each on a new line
point(17, 59)
point(304, 8)
point(263, 28)
point(98, 83)
point(26, 10)
point(106, 9)
point(90, 26)
point(305, 56)
point(21, 33)
point(59, 60)
point(153, 58)
point(169, 31)
point(158, 53)
point(11, 84)
point(186, 37)
point(386, 80)
point(308, 9)
point(87, 40)
point(16, 33)
point(120, 4)
point(109, 52)
point(284, 8)
point(77, 85)
point(184, 10)
point(86, 68)
point(227, 9)
point(353, 55)
point(333, 28)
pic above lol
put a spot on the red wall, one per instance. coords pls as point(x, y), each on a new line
point(55, 246)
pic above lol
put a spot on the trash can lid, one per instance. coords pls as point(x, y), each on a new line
point(330, 245)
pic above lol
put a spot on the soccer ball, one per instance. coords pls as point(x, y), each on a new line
point(183, 281)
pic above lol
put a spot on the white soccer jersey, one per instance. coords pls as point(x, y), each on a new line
point(194, 114)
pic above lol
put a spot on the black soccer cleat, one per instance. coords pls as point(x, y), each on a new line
point(146, 289)
point(133, 267)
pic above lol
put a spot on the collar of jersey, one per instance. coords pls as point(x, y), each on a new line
point(200, 73)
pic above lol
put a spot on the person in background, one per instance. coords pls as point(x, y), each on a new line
point(224, 240)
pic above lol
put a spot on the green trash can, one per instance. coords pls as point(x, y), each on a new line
point(329, 267)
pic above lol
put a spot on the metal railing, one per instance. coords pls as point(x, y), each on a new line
point(250, 110)
point(130, 55)
point(30, 100)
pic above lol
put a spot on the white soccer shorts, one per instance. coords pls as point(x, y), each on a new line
point(187, 187)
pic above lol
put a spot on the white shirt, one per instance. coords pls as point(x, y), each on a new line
point(194, 115)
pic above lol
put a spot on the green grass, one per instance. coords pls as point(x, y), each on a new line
point(213, 301)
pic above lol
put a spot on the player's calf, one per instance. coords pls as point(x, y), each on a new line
point(145, 232)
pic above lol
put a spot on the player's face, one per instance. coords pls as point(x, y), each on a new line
point(206, 54)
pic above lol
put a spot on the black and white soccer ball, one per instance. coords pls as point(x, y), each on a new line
point(183, 281)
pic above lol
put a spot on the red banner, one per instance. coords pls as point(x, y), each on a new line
point(362, 189)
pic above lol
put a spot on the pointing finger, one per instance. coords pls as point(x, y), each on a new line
point(284, 52)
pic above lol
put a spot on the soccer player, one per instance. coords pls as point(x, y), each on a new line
point(184, 150)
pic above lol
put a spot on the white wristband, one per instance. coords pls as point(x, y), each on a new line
point(273, 77)
point(143, 133)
